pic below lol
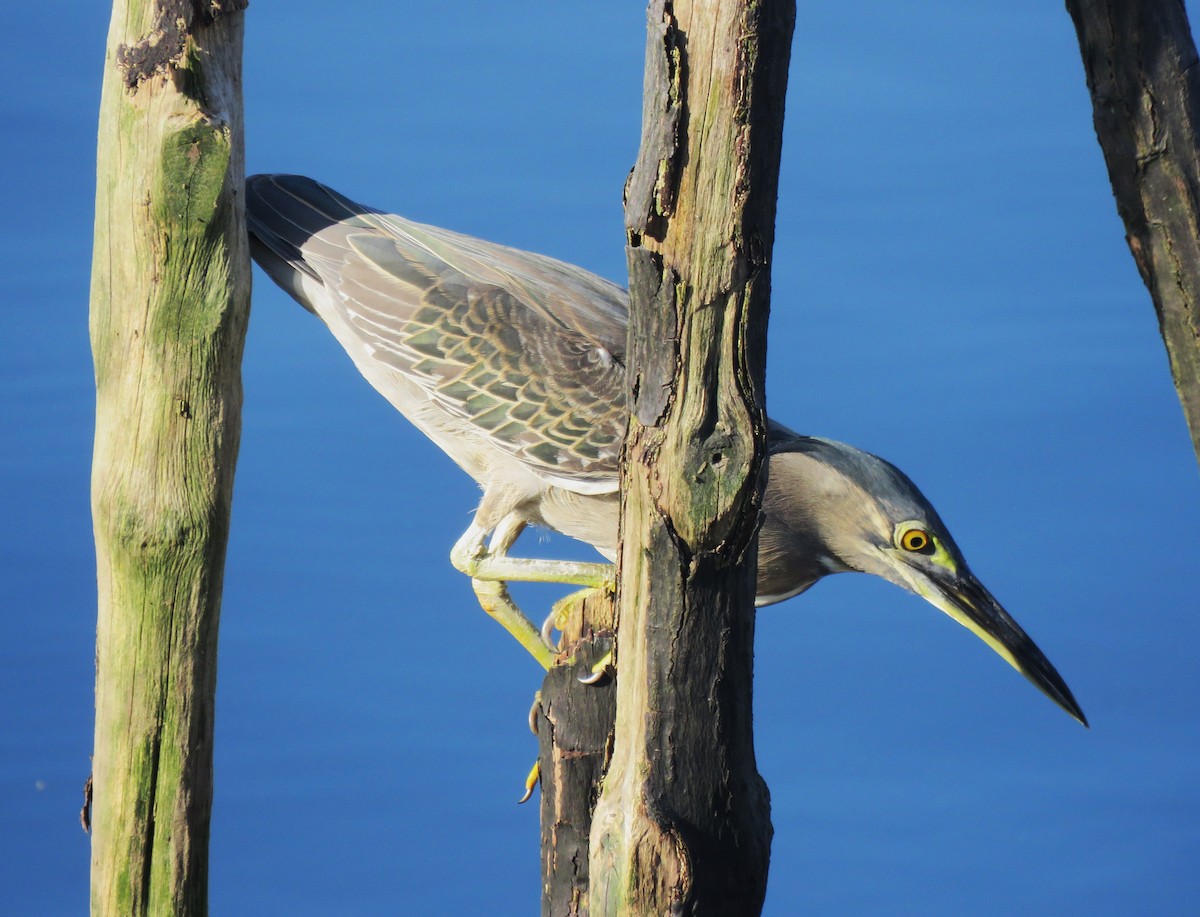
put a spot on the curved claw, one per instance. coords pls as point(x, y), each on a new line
point(548, 628)
point(533, 712)
point(598, 672)
point(531, 780)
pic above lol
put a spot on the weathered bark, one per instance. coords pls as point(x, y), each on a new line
point(1145, 86)
point(169, 305)
point(683, 824)
point(574, 726)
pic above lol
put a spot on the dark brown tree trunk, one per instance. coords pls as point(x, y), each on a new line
point(1144, 81)
point(683, 823)
point(575, 727)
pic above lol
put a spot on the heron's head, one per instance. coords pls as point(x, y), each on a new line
point(831, 508)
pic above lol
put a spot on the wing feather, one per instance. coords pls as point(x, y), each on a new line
point(525, 350)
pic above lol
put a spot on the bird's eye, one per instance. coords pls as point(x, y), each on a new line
point(917, 540)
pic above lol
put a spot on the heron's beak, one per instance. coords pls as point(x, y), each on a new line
point(964, 598)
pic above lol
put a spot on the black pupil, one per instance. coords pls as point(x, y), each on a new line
point(916, 541)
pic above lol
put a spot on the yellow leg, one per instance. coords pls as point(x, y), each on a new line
point(490, 569)
point(471, 556)
point(493, 596)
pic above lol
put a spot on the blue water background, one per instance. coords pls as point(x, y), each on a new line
point(951, 290)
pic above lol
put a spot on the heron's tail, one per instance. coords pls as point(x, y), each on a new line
point(282, 213)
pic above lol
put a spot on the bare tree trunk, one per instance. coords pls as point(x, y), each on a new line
point(169, 305)
point(1141, 71)
point(683, 823)
point(574, 726)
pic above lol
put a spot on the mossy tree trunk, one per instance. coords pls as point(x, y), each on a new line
point(683, 821)
point(169, 305)
point(1142, 73)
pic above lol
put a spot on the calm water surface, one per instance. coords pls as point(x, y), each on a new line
point(951, 291)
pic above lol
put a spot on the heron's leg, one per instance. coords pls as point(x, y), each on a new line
point(505, 534)
point(490, 569)
point(467, 555)
point(494, 598)
point(537, 570)
point(471, 557)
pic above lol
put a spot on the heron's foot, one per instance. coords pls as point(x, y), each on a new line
point(495, 600)
point(560, 615)
point(535, 773)
point(561, 611)
point(531, 780)
point(603, 668)
point(491, 569)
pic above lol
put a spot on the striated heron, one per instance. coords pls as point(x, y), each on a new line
point(513, 363)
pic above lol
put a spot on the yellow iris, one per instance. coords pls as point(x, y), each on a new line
point(917, 540)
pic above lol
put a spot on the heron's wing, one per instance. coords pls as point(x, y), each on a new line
point(525, 349)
